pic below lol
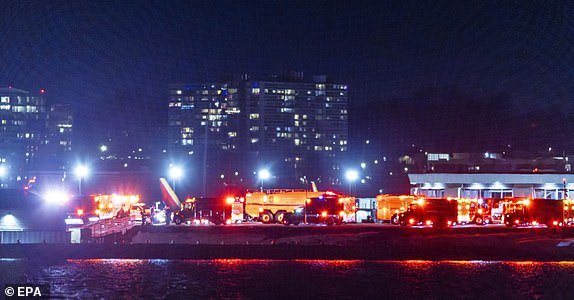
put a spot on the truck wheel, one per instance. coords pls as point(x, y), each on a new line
point(177, 220)
point(478, 221)
point(279, 217)
point(395, 219)
point(403, 223)
point(286, 221)
point(329, 221)
point(508, 224)
point(265, 217)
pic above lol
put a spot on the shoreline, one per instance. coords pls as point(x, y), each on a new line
point(419, 251)
point(287, 243)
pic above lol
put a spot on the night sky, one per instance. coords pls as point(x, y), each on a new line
point(455, 75)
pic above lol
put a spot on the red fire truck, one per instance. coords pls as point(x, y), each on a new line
point(532, 212)
point(436, 212)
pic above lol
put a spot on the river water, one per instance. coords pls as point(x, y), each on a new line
point(295, 279)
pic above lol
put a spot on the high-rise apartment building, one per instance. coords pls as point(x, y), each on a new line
point(28, 129)
point(229, 130)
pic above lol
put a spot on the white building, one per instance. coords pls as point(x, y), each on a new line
point(493, 185)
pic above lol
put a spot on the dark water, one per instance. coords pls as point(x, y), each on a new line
point(246, 279)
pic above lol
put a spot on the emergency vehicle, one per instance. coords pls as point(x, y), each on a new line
point(568, 212)
point(527, 211)
point(389, 207)
point(271, 206)
point(437, 212)
point(328, 209)
point(202, 211)
point(102, 206)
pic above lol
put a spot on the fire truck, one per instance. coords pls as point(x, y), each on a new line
point(202, 211)
point(389, 207)
point(102, 206)
point(328, 209)
point(437, 212)
point(568, 212)
point(271, 206)
point(527, 211)
point(485, 211)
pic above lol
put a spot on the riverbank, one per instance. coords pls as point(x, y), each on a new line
point(395, 244)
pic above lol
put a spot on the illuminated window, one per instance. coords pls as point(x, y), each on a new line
point(255, 91)
point(232, 134)
point(254, 128)
point(4, 99)
point(18, 109)
point(253, 116)
point(178, 92)
point(254, 140)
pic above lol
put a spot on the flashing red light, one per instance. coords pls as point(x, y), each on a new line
point(26, 187)
point(42, 91)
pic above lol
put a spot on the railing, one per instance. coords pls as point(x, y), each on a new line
point(111, 226)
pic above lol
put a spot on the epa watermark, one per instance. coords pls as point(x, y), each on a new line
point(27, 291)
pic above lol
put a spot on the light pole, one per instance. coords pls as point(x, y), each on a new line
point(263, 175)
point(351, 176)
point(81, 172)
point(3, 173)
point(175, 172)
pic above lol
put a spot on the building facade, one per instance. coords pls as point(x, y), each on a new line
point(33, 136)
point(493, 175)
point(489, 185)
point(297, 129)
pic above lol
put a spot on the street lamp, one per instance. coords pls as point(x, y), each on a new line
point(81, 172)
point(263, 175)
point(175, 173)
point(351, 176)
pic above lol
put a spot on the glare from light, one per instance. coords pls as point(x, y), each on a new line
point(352, 175)
point(264, 174)
point(175, 172)
point(9, 223)
point(56, 197)
point(103, 148)
point(81, 171)
point(3, 171)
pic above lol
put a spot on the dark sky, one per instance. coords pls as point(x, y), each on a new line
point(404, 61)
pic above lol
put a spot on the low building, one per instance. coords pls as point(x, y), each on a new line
point(492, 185)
